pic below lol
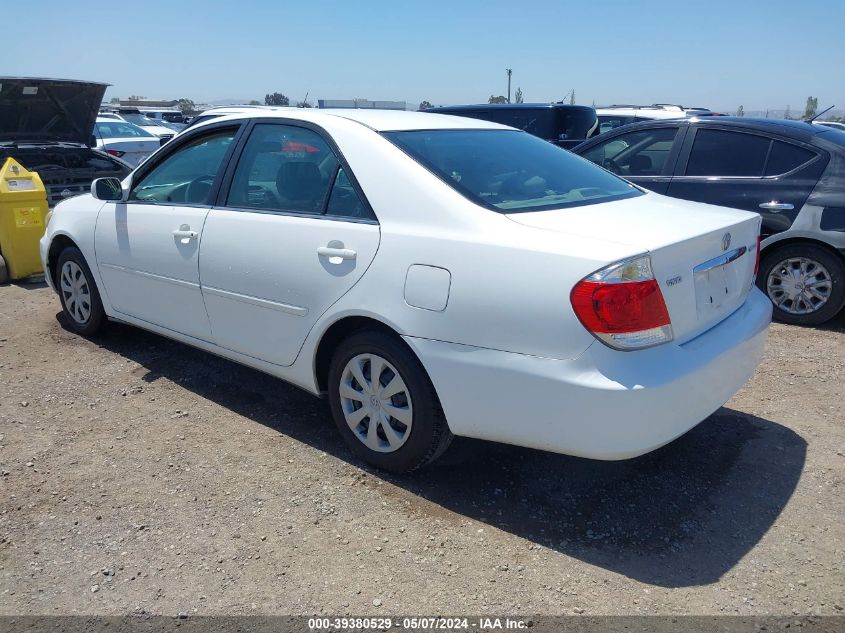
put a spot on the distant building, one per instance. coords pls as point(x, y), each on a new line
point(362, 104)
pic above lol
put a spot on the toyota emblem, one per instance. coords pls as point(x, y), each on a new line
point(726, 241)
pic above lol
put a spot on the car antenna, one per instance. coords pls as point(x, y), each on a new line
point(819, 114)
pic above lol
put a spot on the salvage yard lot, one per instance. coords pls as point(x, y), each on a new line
point(142, 475)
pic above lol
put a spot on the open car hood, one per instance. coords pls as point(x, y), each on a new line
point(35, 109)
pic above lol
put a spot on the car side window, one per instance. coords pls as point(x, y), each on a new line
point(727, 154)
point(187, 175)
point(283, 168)
point(785, 157)
point(639, 153)
point(344, 200)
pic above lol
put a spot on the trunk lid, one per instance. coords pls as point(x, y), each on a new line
point(702, 255)
point(35, 109)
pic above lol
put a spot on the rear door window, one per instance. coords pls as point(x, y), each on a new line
point(727, 154)
point(785, 157)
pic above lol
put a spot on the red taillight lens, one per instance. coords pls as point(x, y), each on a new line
point(757, 260)
point(622, 305)
point(115, 152)
point(617, 308)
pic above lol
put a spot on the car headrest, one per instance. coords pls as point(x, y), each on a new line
point(300, 181)
point(640, 164)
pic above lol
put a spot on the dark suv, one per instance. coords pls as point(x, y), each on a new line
point(790, 172)
point(47, 125)
point(561, 124)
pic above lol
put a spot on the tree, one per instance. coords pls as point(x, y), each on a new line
point(425, 105)
point(185, 105)
point(499, 99)
point(254, 102)
point(115, 100)
point(740, 111)
point(786, 113)
point(572, 97)
point(517, 97)
point(812, 105)
point(276, 99)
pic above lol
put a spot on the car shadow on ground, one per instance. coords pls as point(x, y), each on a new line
point(680, 516)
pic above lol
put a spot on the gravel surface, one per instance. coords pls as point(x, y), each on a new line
point(140, 475)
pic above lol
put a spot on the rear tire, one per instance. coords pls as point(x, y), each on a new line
point(805, 282)
point(394, 422)
point(78, 293)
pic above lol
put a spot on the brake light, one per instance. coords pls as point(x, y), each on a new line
point(757, 257)
point(622, 305)
point(115, 152)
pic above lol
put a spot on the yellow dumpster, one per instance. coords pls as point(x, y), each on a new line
point(23, 208)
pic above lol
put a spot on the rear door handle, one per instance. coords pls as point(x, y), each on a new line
point(777, 206)
point(331, 252)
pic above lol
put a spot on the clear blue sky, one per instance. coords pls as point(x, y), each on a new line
point(762, 54)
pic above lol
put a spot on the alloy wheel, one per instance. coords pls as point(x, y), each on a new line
point(376, 403)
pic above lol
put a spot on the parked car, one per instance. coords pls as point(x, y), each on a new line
point(433, 275)
point(613, 116)
point(46, 125)
point(161, 129)
point(564, 125)
point(790, 172)
point(213, 113)
point(125, 140)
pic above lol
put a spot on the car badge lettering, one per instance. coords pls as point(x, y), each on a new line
point(674, 281)
point(726, 241)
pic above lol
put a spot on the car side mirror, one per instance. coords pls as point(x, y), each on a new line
point(107, 189)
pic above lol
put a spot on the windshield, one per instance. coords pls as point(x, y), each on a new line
point(509, 171)
point(120, 129)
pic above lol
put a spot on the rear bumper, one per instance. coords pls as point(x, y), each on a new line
point(605, 404)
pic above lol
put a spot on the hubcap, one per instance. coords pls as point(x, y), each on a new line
point(376, 403)
point(799, 285)
point(76, 293)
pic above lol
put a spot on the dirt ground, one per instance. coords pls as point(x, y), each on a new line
point(139, 475)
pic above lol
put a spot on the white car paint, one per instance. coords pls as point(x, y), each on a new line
point(482, 298)
point(132, 148)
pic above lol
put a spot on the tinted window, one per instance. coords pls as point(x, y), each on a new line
point(283, 168)
point(785, 157)
point(608, 122)
point(721, 153)
point(186, 175)
point(344, 200)
point(511, 171)
point(640, 153)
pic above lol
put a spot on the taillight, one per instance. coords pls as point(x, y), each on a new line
point(115, 152)
point(622, 305)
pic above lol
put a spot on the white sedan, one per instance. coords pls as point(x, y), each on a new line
point(125, 140)
point(433, 275)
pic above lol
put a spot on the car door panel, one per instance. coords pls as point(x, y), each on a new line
point(147, 270)
point(265, 283)
point(148, 246)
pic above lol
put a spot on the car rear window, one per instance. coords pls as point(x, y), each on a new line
point(785, 157)
point(510, 171)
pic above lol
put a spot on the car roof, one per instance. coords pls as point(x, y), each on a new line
point(377, 120)
point(506, 106)
point(798, 130)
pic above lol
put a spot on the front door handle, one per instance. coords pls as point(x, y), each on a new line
point(184, 234)
point(776, 206)
point(336, 253)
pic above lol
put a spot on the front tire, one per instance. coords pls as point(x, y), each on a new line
point(805, 282)
point(78, 293)
point(384, 404)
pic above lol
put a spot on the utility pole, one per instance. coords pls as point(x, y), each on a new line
point(509, 71)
